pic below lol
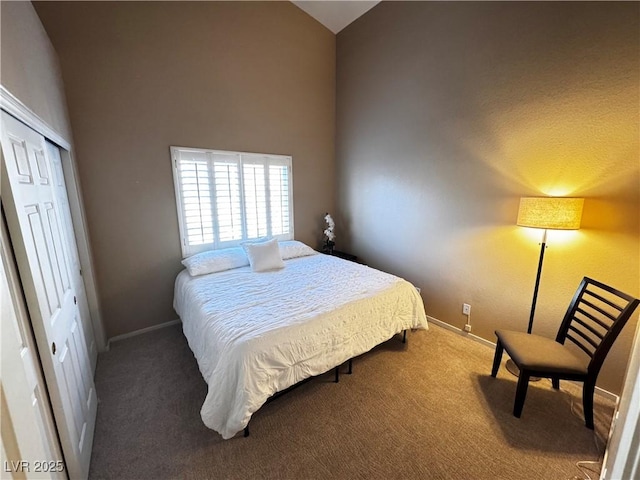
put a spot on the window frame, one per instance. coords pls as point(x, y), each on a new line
point(251, 158)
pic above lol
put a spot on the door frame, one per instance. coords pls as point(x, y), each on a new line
point(12, 105)
point(622, 455)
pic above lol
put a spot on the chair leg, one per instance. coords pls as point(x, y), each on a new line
point(587, 402)
point(556, 383)
point(521, 393)
point(497, 358)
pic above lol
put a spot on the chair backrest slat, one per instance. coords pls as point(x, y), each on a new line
point(579, 344)
point(588, 327)
point(593, 318)
point(601, 310)
point(604, 300)
point(594, 322)
point(590, 341)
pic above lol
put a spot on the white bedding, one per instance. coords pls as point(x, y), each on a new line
point(254, 334)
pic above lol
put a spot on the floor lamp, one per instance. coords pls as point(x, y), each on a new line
point(547, 213)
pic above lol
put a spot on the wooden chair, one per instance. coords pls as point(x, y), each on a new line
point(593, 321)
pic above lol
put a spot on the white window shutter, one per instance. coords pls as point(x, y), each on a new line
point(224, 198)
point(279, 200)
point(195, 186)
point(255, 198)
point(226, 172)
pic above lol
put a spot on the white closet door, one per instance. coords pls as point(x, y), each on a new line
point(28, 431)
point(66, 226)
point(33, 217)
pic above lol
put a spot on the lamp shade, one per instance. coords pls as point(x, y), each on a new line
point(556, 213)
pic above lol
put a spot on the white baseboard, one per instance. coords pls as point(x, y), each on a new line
point(599, 391)
point(141, 331)
point(461, 332)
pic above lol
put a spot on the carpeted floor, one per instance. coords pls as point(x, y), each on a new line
point(425, 409)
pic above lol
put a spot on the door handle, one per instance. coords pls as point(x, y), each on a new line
point(53, 348)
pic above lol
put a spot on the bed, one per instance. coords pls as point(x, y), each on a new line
point(254, 334)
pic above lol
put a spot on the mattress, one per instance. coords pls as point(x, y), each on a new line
point(254, 334)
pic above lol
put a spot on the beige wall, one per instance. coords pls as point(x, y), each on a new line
point(29, 66)
point(448, 112)
point(142, 76)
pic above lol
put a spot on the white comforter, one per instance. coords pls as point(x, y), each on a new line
point(254, 334)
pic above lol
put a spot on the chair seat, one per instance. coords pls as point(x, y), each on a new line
point(541, 354)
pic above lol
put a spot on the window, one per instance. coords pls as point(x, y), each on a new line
point(224, 198)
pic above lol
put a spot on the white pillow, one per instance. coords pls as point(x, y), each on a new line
point(264, 255)
point(213, 261)
point(293, 248)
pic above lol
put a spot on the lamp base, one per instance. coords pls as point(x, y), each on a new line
point(515, 371)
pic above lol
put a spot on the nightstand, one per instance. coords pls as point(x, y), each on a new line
point(344, 255)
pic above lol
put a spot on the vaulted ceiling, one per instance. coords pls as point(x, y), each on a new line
point(335, 15)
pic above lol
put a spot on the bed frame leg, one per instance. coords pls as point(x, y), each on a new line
point(350, 371)
point(404, 336)
point(246, 431)
point(337, 370)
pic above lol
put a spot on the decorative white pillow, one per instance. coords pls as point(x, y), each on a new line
point(264, 256)
point(294, 248)
point(213, 261)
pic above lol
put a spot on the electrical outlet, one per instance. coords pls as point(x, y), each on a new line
point(467, 328)
point(466, 309)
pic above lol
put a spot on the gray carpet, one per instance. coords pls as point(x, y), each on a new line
point(425, 409)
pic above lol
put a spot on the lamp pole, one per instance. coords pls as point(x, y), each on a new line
point(543, 246)
point(510, 365)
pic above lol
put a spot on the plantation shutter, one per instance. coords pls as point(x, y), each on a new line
point(255, 195)
point(279, 200)
point(228, 198)
point(224, 198)
point(196, 189)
